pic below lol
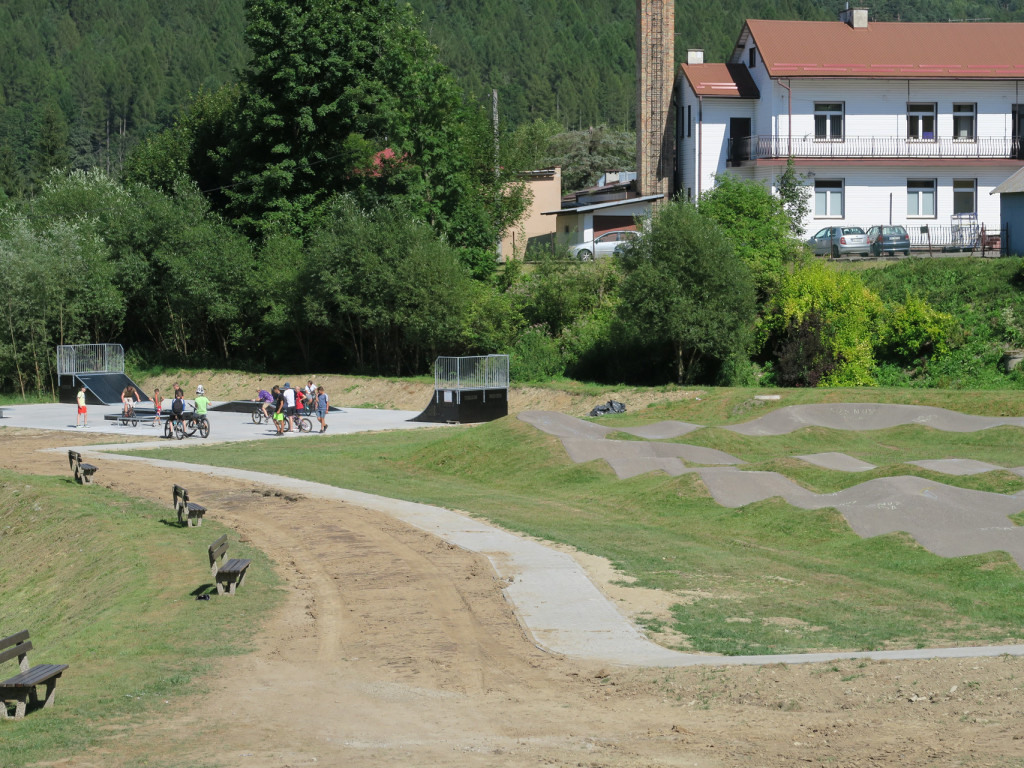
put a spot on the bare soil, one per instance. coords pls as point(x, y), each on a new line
point(401, 394)
point(395, 649)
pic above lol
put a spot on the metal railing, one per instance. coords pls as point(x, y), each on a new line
point(481, 372)
point(762, 147)
point(89, 358)
point(961, 236)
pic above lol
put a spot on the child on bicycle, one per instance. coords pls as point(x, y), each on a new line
point(128, 398)
point(202, 403)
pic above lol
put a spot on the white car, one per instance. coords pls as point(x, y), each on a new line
point(608, 244)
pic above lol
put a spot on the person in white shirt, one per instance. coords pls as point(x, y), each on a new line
point(289, 405)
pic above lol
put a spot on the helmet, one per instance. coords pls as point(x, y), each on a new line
point(200, 390)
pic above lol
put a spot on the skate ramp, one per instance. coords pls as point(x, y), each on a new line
point(100, 388)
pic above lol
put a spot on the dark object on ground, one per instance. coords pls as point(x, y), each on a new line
point(612, 406)
point(21, 689)
point(232, 572)
point(83, 472)
point(188, 512)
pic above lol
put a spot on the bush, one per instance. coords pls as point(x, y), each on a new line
point(535, 357)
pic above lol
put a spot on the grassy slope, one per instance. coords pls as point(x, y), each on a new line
point(107, 584)
point(756, 564)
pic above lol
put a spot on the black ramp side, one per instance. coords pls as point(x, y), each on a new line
point(468, 406)
point(100, 388)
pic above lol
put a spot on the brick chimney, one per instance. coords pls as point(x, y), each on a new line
point(655, 65)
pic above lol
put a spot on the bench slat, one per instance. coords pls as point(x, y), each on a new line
point(232, 566)
point(34, 676)
point(17, 650)
point(17, 637)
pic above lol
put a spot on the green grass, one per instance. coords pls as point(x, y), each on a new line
point(779, 579)
point(107, 584)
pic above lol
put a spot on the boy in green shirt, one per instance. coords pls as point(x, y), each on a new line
point(202, 401)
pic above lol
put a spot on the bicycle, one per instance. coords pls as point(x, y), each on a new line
point(197, 422)
point(258, 416)
point(174, 427)
point(128, 417)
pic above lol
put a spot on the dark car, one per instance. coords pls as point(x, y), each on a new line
point(838, 241)
point(888, 238)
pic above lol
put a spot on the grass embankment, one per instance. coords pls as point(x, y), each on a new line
point(108, 585)
point(767, 577)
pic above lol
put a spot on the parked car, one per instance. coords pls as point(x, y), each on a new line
point(608, 244)
point(888, 239)
point(839, 241)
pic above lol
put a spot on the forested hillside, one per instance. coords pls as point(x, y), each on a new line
point(84, 80)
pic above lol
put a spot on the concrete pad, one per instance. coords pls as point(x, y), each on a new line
point(837, 461)
point(956, 466)
point(868, 416)
point(663, 430)
point(224, 426)
point(563, 425)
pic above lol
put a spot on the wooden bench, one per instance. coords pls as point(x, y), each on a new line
point(187, 511)
point(83, 472)
point(21, 688)
point(229, 573)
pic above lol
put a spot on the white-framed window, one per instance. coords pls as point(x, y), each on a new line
point(828, 120)
point(828, 198)
point(921, 198)
point(964, 116)
point(965, 194)
point(920, 121)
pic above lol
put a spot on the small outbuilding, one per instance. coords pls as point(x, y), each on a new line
point(1011, 212)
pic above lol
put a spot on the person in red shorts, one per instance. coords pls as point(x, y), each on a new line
point(83, 412)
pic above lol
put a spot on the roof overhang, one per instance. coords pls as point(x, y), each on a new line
point(601, 206)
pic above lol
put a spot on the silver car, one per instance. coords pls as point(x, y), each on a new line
point(839, 241)
point(608, 244)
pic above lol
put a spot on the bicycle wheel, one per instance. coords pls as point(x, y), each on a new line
point(304, 424)
point(135, 422)
point(257, 416)
point(190, 426)
point(168, 429)
point(179, 430)
point(204, 429)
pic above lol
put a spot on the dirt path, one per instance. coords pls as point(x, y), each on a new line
point(393, 648)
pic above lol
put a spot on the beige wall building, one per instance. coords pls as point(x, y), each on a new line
point(534, 228)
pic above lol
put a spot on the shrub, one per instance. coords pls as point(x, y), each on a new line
point(535, 357)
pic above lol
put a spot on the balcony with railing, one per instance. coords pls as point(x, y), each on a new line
point(749, 148)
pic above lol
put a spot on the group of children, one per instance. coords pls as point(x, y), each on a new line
point(280, 404)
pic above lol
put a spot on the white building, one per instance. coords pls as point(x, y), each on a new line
point(892, 123)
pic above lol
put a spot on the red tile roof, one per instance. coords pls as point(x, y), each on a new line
point(890, 49)
point(720, 80)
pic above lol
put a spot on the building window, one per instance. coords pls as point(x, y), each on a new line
point(753, 57)
point(828, 198)
point(964, 195)
point(921, 122)
point(828, 121)
point(963, 121)
point(689, 120)
point(921, 198)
